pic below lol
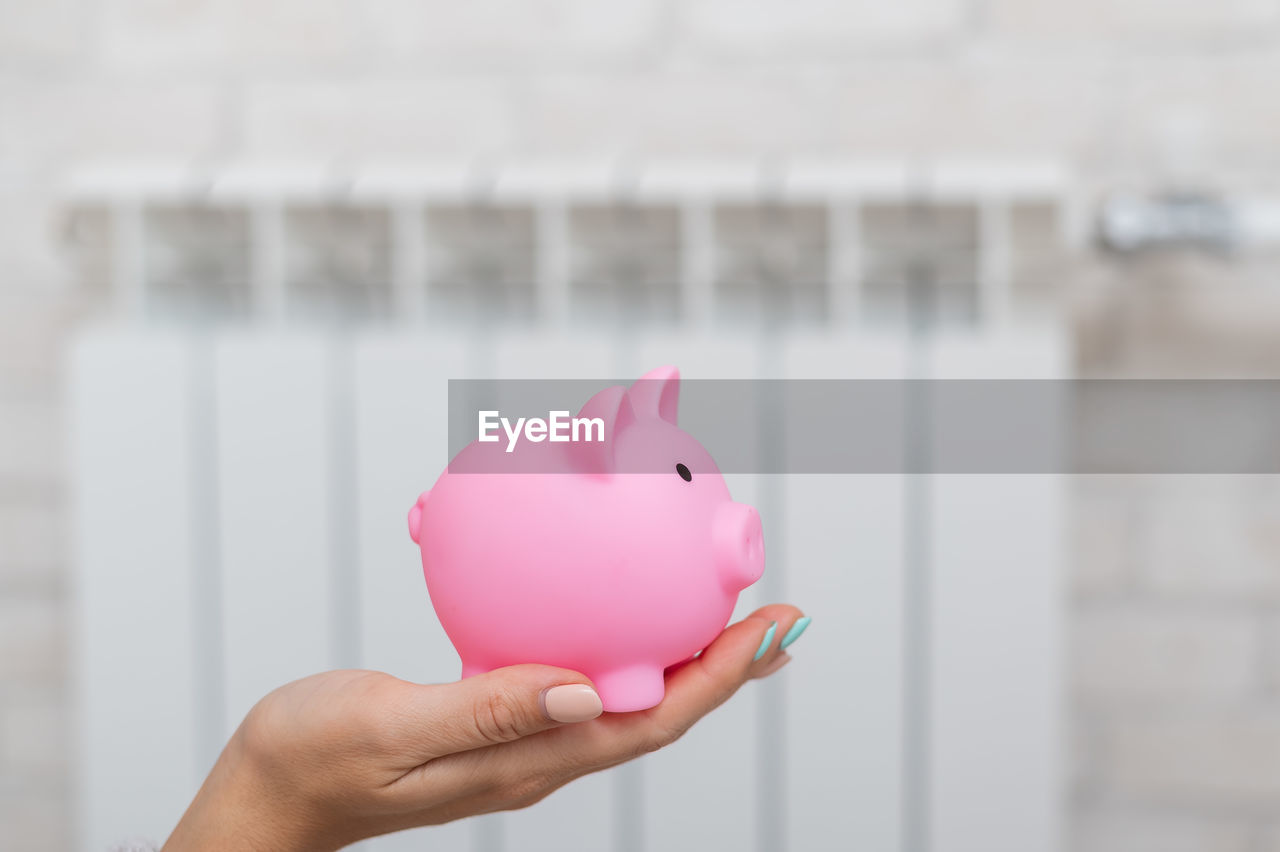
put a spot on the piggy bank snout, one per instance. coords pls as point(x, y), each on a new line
point(739, 545)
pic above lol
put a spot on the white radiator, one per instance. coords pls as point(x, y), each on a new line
point(241, 495)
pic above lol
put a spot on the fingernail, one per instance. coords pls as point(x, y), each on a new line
point(780, 661)
point(767, 641)
point(797, 630)
point(573, 702)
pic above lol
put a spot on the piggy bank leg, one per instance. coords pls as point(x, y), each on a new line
point(631, 688)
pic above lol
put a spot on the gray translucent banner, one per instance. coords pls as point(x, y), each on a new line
point(924, 426)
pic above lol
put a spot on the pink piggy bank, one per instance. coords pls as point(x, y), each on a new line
point(615, 557)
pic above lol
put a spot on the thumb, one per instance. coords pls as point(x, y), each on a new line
point(502, 705)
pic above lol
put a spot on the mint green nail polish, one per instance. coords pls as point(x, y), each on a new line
point(797, 630)
point(767, 641)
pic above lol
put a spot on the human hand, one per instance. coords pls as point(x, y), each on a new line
point(340, 756)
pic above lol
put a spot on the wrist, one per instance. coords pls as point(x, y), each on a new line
point(238, 809)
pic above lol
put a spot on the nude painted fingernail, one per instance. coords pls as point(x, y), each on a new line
point(573, 702)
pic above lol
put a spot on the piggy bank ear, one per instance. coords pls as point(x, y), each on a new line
point(613, 408)
point(657, 394)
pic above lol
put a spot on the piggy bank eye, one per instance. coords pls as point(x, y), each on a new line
point(684, 472)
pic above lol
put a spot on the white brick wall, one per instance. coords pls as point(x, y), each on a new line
point(1179, 111)
point(1210, 538)
point(38, 33)
point(511, 33)
point(34, 536)
point(1162, 832)
point(402, 119)
point(829, 27)
point(1126, 23)
point(33, 639)
point(1176, 591)
point(33, 735)
point(47, 123)
point(1215, 758)
point(979, 103)
point(223, 34)
point(1104, 547)
point(1142, 658)
point(684, 112)
point(31, 439)
point(34, 816)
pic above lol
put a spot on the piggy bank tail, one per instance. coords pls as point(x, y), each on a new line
point(415, 516)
